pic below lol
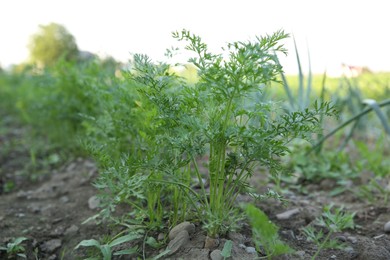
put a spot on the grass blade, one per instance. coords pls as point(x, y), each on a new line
point(124, 239)
point(287, 88)
point(322, 99)
point(300, 75)
point(309, 82)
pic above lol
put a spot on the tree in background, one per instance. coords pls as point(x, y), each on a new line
point(50, 43)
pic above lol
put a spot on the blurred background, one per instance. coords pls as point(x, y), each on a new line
point(350, 32)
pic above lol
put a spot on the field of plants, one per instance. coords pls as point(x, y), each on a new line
point(224, 157)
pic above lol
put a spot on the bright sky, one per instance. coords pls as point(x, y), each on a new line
point(355, 32)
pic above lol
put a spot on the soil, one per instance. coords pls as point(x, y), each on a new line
point(50, 211)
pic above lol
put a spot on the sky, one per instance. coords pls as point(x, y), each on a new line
point(354, 32)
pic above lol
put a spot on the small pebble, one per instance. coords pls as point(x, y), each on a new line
point(287, 214)
point(51, 245)
point(93, 202)
point(211, 243)
point(216, 255)
point(160, 236)
point(351, 252)
point(387, 227)
point(64, 199)
point(341, 238)
point(72, 230)
point(352, 239)
point(250, 250)
point(242, 246)
point(300, 253)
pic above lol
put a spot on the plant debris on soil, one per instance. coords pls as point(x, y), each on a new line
point(49, 213)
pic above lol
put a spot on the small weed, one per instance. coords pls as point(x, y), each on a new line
point(265, 233)
point(106, 250)
point(14, 248)
point(373, 159)
point(375, 190)
point(329, 165)
point(334, 220)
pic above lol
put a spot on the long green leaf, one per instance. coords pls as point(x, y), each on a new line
point(19, 240)
point(129, 251)
point(322, 99)
point(123, 239)
point(309, 82)
point(287, 88)
point(106, 252)
point(165, 252)
point(374, 105)
point(90, 242)
point(300, 75)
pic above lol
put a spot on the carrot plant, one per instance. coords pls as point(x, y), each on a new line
point(218, 118)
point(334, 220)
point(265, 233)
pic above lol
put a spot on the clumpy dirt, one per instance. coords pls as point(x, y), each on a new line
point(49, 212)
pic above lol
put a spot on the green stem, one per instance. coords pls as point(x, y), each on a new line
point(231, 184)
point(322, 245)
point(220, 174)
point(200, 181)
point(187, 188)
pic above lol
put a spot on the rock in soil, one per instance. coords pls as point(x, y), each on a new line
point(386, 228)
point(211, 243)
point(287, 214)
point(180, 240)
point(93, 202)
point(216, 255)
point(72, 230)
point(160, 237)
point(239, 252)
point(351, 252)
point(51, 245)
point(250, 250)
point(300, 254)
point(352, 239)
point(189, 227)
